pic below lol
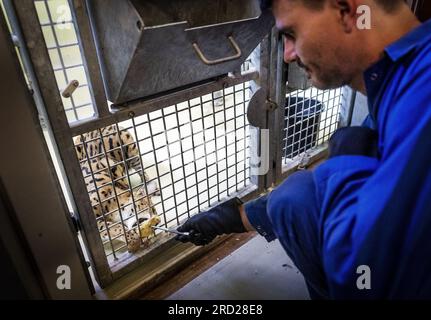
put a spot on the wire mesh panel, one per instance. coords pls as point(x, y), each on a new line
point(310, 117)
point(156, 167)
point(164, 166)
point(60, 36)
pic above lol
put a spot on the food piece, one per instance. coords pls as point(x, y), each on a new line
point(146, 229)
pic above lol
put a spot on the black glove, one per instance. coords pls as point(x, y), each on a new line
point(354, 141)
point(205, 226)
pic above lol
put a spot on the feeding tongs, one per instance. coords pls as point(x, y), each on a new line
point(171, 231)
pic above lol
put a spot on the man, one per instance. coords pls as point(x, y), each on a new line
point(368, 207)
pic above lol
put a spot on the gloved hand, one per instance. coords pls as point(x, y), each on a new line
point(354, 141)
point(205, 226)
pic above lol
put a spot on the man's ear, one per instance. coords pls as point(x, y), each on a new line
point(347, 12)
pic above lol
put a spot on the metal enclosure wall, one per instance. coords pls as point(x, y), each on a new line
point(231, 91)
point(32, 189)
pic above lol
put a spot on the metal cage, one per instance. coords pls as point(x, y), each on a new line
point(168, 156)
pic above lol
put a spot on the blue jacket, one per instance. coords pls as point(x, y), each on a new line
point(377, 212)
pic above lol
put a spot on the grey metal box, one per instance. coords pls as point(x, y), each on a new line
point(149, 47)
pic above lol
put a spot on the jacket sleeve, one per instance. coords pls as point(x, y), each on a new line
point(256, 211)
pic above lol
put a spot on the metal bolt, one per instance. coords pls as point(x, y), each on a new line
point(271, 105)
point(131, 114)
point(70, 89)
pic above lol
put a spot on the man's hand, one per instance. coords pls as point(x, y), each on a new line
point(359, 141)
point(205, 226)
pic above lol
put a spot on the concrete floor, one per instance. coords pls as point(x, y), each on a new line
point(256, 271)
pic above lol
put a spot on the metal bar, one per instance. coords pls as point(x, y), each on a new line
point(66, 67)
point(141, 164)
point(79, 10)
point(28, 19)
point(78, 107)
point(209, 166)
point(263, 81)
point(60, 56)
point(113, 186)
point(145, 106)
point(225, 137)
point(169, 158)
point(245, 142)
point(156, 165)
point(351, 108)
point(125, 160)
point(301, 127)
point(41, 220)
point(273, 88)
point(194, 155)
point(216, 149)
point(205, 156)
point(96, 189)
point(37, 96)
point(277, 116)
point(182, 159)
point(61, 46)
point(235, 132)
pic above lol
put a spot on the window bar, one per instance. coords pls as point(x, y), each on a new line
point(113, 187)
point(143, 169)
point(60, 56)
point(325, 119)
point(126, 171)
point(320, 96)
point(305, 123)
point(333, 118)
point(225, 137)
point(329, 119)
point(102, 210)
point(235, 138)
point(170, 166)
point(286, 129)
point(194, 155)
point(294, 130)
point(157, 168)
point(68, 67)
point(245, 139)
point(216, 149)
point(182, 158)
point(206, 153)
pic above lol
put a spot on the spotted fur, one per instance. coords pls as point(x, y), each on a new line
point(104, 164)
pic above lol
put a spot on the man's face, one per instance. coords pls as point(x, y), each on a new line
point(318, 42)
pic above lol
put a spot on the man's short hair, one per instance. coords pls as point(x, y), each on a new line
point(388, 5)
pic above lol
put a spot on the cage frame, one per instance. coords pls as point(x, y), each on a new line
point(271, 77)
point(63, 132)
